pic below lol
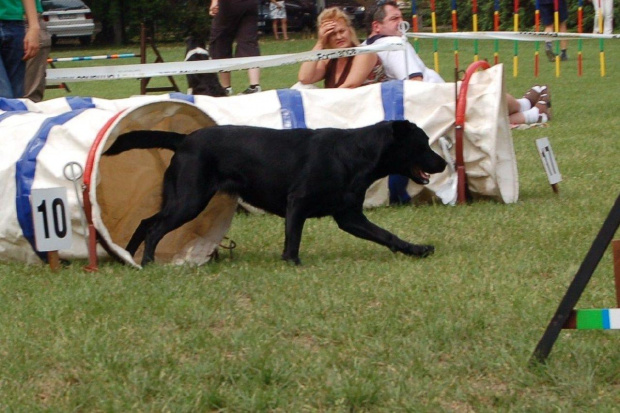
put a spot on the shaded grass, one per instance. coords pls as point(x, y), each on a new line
point(356, 328)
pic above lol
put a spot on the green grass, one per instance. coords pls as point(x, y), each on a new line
point(356, 328)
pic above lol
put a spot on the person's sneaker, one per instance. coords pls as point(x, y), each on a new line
point(545, 95)
point(550, 55)
point(251, 89)
point(533, 95)
point(564, 57)
point(228, 91)
point(544, 110)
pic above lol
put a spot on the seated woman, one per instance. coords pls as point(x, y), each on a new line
point(335, 31)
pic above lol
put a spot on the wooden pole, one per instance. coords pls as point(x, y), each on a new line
point(54, 260)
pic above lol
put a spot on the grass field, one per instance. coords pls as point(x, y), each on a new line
point(356, 328)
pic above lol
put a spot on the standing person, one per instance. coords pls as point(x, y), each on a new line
point(34, 82)
point(336, 31)
point(606, 9)
point(16, 44)
point(277, 12)
point(235, 20)
point(547, 12)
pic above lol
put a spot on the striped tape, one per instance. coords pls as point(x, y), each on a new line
point(135, 71)
point(598, 319)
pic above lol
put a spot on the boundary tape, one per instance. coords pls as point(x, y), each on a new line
point(146, 70)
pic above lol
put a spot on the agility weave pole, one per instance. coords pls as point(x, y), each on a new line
point(516, 24)
point(565, 316)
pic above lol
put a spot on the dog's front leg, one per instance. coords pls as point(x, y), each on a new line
point(356, 223)
point(294, 225)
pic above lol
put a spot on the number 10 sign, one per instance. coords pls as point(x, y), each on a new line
point(51, 217)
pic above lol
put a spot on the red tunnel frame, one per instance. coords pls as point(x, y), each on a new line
point(88, 170)
point(459, 129)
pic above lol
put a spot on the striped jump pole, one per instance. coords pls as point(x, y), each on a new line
point(515, 59)
point(435, 44)
point(537, 45)
point(455, 29)
point(589, 319)
point(556, 25)
point(601, 42)
point(414, 23)
point(604, 318)
point(496, 28)
point(579, 42)
point(84, 58)
point(474, 18)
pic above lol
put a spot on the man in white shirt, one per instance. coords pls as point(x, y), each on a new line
point(383, 21)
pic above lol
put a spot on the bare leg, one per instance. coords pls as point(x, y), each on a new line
point(563, 43)
point(284, 29)
point(517, 118)
point(513, 105)
point(274, 27)
point(253, 75)
point(225, 79)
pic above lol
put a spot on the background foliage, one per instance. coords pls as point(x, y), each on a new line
point(174, 19)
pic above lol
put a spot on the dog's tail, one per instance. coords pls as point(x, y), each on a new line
point(145, 139)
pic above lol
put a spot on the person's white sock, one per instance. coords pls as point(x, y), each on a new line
point(532, 115)
point(524, 104)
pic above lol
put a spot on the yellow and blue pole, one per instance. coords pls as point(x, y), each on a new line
point(515, 59)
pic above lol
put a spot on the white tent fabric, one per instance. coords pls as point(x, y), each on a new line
point(38, 140)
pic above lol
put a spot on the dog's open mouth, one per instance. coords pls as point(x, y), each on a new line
point(420, 177)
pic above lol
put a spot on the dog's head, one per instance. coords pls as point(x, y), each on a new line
point(195, 49)
point(412, 154)
point(192, 42)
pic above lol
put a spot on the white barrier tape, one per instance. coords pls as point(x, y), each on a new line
point(521, 36)
point(84, 74)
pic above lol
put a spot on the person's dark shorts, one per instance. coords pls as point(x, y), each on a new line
point(236, 20)
point(547, 11)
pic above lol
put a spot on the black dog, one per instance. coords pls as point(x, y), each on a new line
point(294, 173)
point(201, 83)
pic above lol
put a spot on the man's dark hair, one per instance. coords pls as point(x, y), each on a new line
point(376, 13)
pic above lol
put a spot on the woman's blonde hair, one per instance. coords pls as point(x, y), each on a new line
point(336, 13)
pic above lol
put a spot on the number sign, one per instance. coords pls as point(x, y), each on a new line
point(52, 220)
point(548, 160)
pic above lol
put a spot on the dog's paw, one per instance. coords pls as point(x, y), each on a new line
point(421, 251)
point(292, 260)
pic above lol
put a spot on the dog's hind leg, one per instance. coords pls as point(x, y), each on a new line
point(138, 236)
point(294, 225)
point(356, 223)
point(173, 215)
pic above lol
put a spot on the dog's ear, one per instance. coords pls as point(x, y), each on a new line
point(402, 128)
point(192, 41)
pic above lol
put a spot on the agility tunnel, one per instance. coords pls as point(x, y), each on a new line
point(39, 140)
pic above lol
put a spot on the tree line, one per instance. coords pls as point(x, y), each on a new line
point(172, 20)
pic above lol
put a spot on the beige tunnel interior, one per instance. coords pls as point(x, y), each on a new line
point(127, 188)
